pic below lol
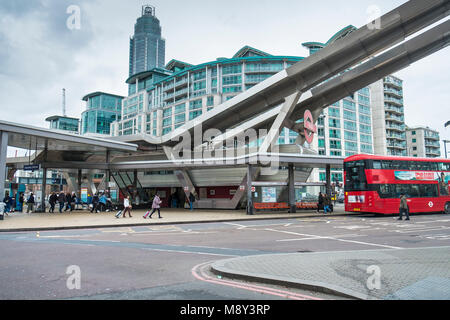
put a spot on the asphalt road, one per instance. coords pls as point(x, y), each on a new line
point(171, 262)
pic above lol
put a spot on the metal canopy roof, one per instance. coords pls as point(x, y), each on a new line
point(35, 138)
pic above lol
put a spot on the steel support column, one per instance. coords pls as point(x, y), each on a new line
point(80, 177)
point(108, 173)
point(44, 187)
point(44, 180)
point(249, 190)
point(3, 154)
point(291, 185)
point(328, 180)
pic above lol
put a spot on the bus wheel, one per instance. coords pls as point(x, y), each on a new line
point(447, 208)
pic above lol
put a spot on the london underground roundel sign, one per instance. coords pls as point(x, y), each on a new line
point(310, 127)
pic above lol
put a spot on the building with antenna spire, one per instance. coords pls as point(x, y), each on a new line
point(147, 47)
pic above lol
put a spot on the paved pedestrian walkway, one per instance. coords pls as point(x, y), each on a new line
point(84, 219)
point(399, 274)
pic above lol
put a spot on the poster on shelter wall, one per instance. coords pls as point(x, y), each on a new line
point(269, 194)
point(84, 195)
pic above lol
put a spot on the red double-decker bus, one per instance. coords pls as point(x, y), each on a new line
point(375, 183)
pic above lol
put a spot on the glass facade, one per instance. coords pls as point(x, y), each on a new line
point(147, 47)
point(179, 95)
point(64, 123)
point(102, 109)
point(394, 117)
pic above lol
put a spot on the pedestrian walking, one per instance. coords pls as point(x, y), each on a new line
point(7, 200)
point(102, 202)
point(61, 201)
point(68, 201)
point(127, 207)
point(156, 205)
point(191, 201)
point(21, 201)
point(73, 201)
point(403, 207)
point(326, 203)
point(13, 203)
point(95, 200)
point(174, 200)
point(52, 201)
point(320, 202)
point(30, 203)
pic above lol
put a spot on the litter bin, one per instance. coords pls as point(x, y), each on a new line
point(2, 210)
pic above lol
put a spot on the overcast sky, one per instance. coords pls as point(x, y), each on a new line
point(40, 55)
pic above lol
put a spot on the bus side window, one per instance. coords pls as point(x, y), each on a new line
point(377, 164)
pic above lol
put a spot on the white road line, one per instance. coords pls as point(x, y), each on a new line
point(192, 252)
point(235, 224)
point(448, 220)
point(422, 230)
point(332, 238)
point(317, 238)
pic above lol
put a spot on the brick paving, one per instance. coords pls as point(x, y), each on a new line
point(418, 274)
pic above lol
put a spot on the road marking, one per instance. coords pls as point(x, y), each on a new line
point(332, 238)
point(448, 220)
point(192, 252)
point(236, 225)
point(199, 273)
point(422, 229)
point(317, 238)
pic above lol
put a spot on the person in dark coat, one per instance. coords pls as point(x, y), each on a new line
point(30, 203)
point(403, 207)
point(191, 201)
point(13, 202)
point(95, 201)
point(61, 200)
point(21, 201)
point(320, 202)
point(7, 200)
point(68, 200)
point(326, 203)
point(52, 201)
point(73, 201)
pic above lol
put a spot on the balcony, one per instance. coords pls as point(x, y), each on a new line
point(169, 86)
point(392, 117)
point(391, 108)
point(397, 145)
point(432, 143)
point(181, 82)
point(393, 82)
point(169, 96)
point(392, 135)
point(181, 92)
point(395, 127)
point(393, 100)
point(397, 93)
point(431, 135)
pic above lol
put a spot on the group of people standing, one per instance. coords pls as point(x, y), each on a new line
point(12, 203)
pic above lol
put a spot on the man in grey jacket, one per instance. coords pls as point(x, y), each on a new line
point(403, 207)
